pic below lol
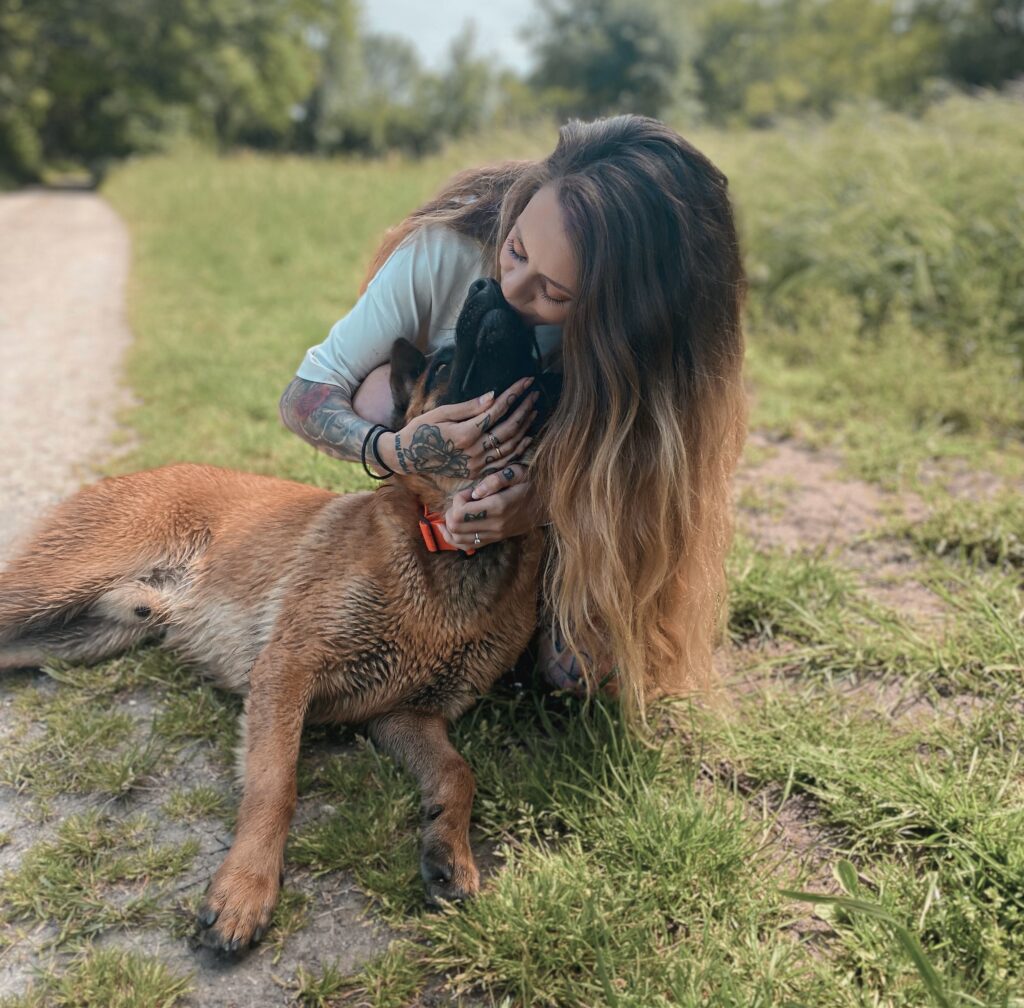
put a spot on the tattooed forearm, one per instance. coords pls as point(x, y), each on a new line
point(323, 416)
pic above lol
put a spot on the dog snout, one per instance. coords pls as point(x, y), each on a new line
point(488, 293)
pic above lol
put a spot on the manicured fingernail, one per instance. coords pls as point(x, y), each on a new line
point(486, 398)
point(529, 382)
point(475, 494)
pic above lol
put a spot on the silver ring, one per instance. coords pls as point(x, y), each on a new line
point(476, 539)
point(495, 444)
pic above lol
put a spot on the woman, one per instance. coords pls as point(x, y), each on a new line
point(621, 248)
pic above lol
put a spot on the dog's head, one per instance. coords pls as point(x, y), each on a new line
point(493, 349)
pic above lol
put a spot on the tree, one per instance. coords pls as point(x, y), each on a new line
point(597, 57)
point(95, 81)
point(759, 60)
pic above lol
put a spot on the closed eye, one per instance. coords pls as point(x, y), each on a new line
point(543, 293)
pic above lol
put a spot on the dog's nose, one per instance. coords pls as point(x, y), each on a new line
point(487, 290)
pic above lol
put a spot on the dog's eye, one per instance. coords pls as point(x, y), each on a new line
point(440, 368)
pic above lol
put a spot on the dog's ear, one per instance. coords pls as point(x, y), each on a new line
point(407, 364)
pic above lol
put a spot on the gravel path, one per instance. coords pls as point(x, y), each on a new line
point(64, 260)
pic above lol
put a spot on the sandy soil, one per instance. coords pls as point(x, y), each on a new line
point(63, 267)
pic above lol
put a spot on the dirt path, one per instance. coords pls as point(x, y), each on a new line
point(63, 266)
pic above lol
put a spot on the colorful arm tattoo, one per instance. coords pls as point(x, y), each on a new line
point(323, 416)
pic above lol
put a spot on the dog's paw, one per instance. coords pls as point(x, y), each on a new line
point(237, 908)
point(447, 878)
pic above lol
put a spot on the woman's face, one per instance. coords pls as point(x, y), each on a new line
point(538, 268)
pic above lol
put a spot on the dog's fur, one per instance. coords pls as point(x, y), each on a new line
point(316, 606)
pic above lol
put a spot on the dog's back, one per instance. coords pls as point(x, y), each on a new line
point(216, 563)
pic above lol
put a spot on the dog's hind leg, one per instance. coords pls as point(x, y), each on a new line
point(420, 742)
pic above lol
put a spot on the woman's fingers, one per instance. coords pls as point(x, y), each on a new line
point(479, 429)
point(469, 525)
point(507, 476)
point(471, 409)
point(507, 433)
point(480, 414)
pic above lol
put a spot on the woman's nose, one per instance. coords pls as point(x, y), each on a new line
point(512, 287)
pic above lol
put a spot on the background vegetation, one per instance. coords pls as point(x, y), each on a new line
point(81, 84)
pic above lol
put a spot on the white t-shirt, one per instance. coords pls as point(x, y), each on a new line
point(417, 293)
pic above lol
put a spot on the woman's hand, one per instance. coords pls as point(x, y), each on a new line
point(502, 505)
point(461, 439)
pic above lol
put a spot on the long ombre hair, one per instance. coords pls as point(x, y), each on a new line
point(636, 462)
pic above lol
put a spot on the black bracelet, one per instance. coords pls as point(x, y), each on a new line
point(376, 428)
point(375, 450)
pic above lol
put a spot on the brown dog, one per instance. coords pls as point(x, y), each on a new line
point(318, 606)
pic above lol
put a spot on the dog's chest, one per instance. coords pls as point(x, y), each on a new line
point(385, 646)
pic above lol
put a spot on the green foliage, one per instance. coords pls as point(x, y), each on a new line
point(758, 61)
point(373, 96)
point(596, 57)
point(886, 297)
point(98, 81)
point(982, 40)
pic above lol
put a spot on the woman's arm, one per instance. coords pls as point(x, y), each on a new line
point(323, 416)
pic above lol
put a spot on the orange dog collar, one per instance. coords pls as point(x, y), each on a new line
point(430, 528)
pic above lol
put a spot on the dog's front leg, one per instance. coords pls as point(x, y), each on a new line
point(243, 893)
point(420, 742)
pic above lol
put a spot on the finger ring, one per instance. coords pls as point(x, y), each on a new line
point(476, 539)
point(495, 444)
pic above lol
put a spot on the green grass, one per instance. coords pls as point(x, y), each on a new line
point(985, 532)
point(202, 802)
point(933, 818)
point(106, 978)
point(885, 320)
point(392, 980)
point(97, 873)
point(369, 829)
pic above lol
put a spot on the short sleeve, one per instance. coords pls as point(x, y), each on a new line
point(397, 302)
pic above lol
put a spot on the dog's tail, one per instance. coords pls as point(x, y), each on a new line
point(87, 581)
